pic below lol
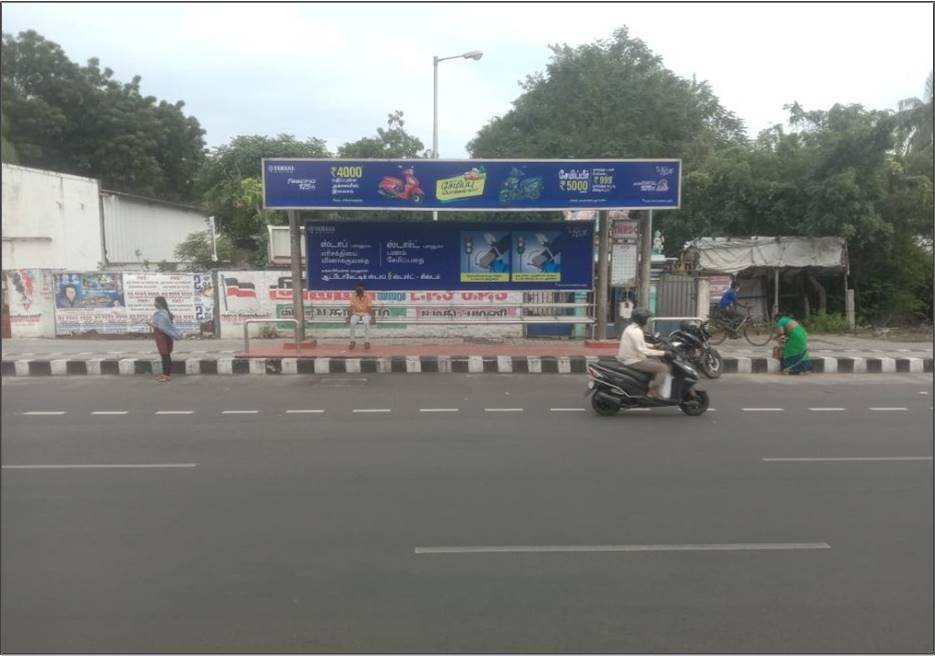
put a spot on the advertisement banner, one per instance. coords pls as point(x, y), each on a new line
point(122, 303)
point(450, 256)
point(268, 295)
point(471, 185)
point(190, 297)
point(29, 292)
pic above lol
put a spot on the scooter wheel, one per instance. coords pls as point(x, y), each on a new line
point(697, 406)
point(418, 198)
point(604, 407)
point(711, 364)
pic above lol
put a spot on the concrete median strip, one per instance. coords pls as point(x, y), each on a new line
point(186, 465)
point(104, 365)
point(627, 548)
point(852, 459)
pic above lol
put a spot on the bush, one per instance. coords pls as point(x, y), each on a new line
point(827, 323)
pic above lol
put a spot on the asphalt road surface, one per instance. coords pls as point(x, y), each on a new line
point(456, 513)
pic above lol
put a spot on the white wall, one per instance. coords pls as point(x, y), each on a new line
point(50, 220)
point(154, 229)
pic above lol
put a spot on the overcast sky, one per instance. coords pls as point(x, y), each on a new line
point(334, 71)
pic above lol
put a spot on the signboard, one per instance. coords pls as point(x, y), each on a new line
point(626, 229)
point(471, 185)
point(624, 258)
point(450, 256)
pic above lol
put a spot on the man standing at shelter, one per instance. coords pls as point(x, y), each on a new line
point(360, 313)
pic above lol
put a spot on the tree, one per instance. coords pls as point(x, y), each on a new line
point(611, 98)
point(197, 254)
point(78, 119)
point(230, 187)
point(390, 143)
point(8, 152)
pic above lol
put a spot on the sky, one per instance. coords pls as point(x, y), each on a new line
point(334, 71)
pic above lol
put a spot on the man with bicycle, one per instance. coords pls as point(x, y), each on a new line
point(728, 305)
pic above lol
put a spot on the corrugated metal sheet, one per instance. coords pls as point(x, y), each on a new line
point(675, 296)
point(138, 229)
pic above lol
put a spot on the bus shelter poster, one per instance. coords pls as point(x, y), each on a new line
point(450, 256)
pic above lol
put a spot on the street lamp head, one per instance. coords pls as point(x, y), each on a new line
point(473, 54)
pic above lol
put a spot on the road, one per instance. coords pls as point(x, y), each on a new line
point(460, 513)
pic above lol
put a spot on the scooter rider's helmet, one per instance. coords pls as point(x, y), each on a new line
point(640, 316)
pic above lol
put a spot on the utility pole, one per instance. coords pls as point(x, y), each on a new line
point(298, 306)
point(600, 301)
point(646, 258)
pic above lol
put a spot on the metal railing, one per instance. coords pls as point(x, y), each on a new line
point(246, 332)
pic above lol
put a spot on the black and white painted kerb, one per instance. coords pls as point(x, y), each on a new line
point(503, 364)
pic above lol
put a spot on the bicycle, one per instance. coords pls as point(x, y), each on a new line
point(755, 331)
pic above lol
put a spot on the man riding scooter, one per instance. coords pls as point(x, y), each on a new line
point(634, 352)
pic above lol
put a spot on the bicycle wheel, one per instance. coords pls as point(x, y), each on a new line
point(718, 332)
point(758, 333)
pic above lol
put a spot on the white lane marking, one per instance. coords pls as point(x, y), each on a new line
point(175, 412)
point(304, 412)
point(637, 409)
point(439, 409)
point(239, 412)
point(827, 409)
point(888, 409)
point(762, 409)
point(44, 413)
point(186, 465)
point(503, 410)
point(567, 409)
point(751, 546)
point(371, 410)
point(109, 412)
point(849, 459)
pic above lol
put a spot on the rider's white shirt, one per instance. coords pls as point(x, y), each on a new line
point(633, 347)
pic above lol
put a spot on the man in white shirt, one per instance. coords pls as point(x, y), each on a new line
point(634, 352)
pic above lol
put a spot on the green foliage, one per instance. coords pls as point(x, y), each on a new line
point(611, 98)
point(832, 323)
point(390, 143)
point(230, 185)
point(77, 119)
point(196, 253)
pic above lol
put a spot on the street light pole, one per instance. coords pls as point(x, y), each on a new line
point(435, 118)
point(473, 54)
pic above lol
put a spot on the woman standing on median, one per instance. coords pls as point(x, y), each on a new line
point(166, 332)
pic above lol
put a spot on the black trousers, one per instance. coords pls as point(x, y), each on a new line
point(166, 364)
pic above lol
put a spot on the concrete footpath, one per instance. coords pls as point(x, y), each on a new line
point(38, 357)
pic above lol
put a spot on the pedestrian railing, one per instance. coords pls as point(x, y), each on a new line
point(462, 314)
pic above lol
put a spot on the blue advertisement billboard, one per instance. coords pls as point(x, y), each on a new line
point(471, 185)
point(450, 256)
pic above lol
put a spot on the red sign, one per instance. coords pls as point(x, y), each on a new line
point(626, 229)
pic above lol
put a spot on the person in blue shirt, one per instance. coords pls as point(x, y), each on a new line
point(728, 304)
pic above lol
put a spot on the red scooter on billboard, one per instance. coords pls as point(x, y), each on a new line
point(406, 189)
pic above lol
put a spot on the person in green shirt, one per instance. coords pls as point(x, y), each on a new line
point(795, 358)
